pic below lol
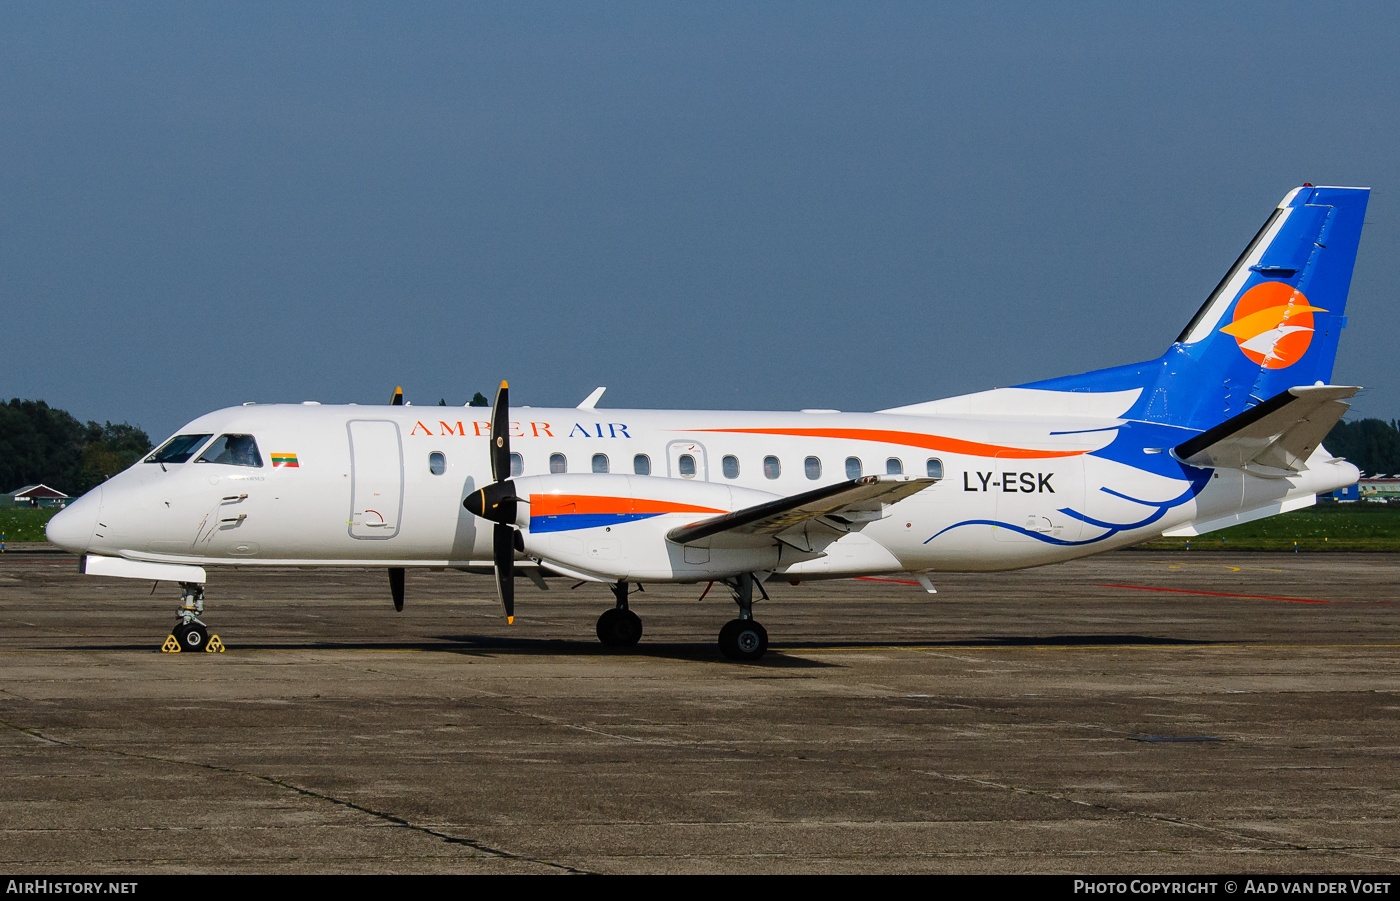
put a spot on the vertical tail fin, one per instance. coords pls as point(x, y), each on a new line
point(1271, 324)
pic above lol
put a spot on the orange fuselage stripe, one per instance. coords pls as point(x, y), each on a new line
point(567, 504)
point(914, 439)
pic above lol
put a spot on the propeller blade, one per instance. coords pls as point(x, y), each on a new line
point(396, 586)
point(500, 435)
point(397, 399)
point(503, 548)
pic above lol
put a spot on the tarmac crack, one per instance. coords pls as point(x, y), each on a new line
point(33, 734)
point(1139, 814)
point(556, 721)
point(1145, 815)
point(1123, 811)
point(1235, 834)
point(387, 817)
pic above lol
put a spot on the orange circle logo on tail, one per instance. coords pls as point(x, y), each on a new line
point(1273, 324)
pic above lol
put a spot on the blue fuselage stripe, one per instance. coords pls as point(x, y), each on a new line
point(569, 521)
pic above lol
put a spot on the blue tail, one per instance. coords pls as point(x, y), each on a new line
point(1271, 324)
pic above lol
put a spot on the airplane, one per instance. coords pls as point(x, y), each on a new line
point(1224, 427)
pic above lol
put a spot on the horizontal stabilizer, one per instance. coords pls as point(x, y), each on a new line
point(852, 501)
point(1279, 434)
point(1191, 530)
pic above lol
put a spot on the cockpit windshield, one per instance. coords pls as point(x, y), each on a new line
point(178, 449)
point(236, 450)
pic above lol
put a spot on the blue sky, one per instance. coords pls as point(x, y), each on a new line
point(748, 205)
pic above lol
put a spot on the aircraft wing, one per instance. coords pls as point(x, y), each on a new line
point(842, 506)
point(1281, 433)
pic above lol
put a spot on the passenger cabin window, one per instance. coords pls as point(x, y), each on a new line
point(894, 467)
point(235, 450)
point(641, 465)
point(772, 468)
point(853, 467)
point(730, 466)
point(600, 462)
point(557, 463)
point(437, 463)
point(685, 465)
point(935, 468)
point(178, 449)
point(812, 467)
point(517, 465)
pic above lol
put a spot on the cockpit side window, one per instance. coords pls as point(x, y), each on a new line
point(235, 450)
point(178, 449)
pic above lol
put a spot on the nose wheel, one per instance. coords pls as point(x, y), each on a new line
point(190, 636)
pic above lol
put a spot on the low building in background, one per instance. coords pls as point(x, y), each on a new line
point(36, 496)
point(1345, 495)
point(1378, 489)
point(1381, 489)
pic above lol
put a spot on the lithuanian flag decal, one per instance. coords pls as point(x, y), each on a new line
point(285, 460)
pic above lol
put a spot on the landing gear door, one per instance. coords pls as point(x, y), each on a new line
point(376, 479)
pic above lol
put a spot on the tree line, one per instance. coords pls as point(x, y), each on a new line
point(39, 443)
point(1373, 445)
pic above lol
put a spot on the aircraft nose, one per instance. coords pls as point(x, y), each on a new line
point(71, 528)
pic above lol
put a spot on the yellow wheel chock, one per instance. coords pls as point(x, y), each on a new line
point(213, 646)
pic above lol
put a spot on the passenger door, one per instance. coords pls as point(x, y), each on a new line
point(376, 479)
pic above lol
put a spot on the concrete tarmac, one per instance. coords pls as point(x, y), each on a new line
point(1138, 712)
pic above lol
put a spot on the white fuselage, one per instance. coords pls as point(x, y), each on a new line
point(1034, 481)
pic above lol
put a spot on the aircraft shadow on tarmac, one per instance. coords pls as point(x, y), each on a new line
point(777, 657)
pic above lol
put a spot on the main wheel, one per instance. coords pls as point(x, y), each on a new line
point(618, 628)
point(743, 639)
point(191, 636)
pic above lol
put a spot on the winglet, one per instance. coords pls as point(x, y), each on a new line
point(397, 399)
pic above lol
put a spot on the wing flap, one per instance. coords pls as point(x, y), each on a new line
point(1279, 434)
point(840, 506)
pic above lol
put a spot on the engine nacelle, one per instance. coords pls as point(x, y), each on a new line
point(614, 526)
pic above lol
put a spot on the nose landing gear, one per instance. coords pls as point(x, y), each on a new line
point(189, 634)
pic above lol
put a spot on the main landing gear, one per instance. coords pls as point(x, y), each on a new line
point(189, 634)
point(744, 638)
point(619, 627)
point(740, 639)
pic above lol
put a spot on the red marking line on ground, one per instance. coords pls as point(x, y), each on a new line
point(874, 579)
point(1222, 594)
